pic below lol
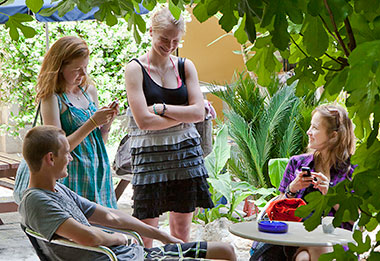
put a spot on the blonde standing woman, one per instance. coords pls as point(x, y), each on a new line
point(69, 101)
point(167, 162)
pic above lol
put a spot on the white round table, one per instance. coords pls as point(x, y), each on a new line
point(297, 235)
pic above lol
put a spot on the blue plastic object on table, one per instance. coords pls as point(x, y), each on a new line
point(272, 226)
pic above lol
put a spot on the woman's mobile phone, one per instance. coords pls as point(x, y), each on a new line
point(113, 105)
point(307, 169)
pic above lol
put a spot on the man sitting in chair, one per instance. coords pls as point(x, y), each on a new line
point(52, 209)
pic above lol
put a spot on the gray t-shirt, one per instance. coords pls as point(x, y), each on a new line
point(44, 211)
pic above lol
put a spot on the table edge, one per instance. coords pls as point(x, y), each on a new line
point(299, 244)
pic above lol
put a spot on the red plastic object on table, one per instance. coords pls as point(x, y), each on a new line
point(283, 209)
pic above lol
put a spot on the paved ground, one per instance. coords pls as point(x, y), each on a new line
point(14, 245)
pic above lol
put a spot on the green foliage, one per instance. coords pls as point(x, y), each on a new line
point(276, 169)
point(263, 127)
point(264, 63)
point(361, 194)
point(321, 205)
point(222, 184)
point(339, 254)
point(333, 43)
point(35, 6)
point(15, 23)
point(315, 37)
point(19, 64)
point(21, 61)
point(316, 202)
point(217, 159)
point(109, 12)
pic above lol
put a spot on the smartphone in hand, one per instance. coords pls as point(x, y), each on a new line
point(307, 169)
point(114, 104)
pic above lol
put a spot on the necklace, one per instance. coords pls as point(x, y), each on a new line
point(77, 97)
point(163, 73)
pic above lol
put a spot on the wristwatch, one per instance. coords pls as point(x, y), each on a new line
point(288, 192)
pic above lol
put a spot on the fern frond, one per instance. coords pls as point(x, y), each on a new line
point(237, 166)
point(278, 110)
point(290, 141)
point(242, 97)
point(245, 139)
point(262, 127)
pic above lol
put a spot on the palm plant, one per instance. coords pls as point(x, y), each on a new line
point(263, 126)
point(222, 184)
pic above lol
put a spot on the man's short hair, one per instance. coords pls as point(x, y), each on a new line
point(38, 142)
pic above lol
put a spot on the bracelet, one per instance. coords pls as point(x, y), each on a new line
point(288, 192)
point(163, 109)
point(154, 109)
point(287, 195)
point(94, 122)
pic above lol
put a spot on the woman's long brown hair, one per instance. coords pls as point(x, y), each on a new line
point(63, 51)
point(341, 146)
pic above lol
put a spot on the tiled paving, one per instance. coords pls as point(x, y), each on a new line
point(14, 245)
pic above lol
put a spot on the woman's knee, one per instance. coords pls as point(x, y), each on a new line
point(302, 255)
point(180, 221)
point(180, 218)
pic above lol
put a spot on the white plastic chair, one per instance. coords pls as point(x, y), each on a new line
point(133, 237)
point(262, 213)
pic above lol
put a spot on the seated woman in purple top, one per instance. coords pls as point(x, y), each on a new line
point(331, 144)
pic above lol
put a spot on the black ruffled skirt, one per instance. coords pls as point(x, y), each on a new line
point(168, 170)
point(183, 196)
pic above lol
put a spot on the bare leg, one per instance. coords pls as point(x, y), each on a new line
point(180, 225)
point(220, 250)
point(302, 255)
point(154, 223)
point(311, 253)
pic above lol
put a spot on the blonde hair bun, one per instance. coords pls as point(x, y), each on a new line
point(163, 18)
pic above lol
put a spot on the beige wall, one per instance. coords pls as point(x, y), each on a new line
point(215, 63)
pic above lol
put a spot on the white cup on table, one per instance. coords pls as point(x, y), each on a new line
point(327, 225)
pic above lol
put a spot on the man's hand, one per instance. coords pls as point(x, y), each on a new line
point(118, 219)
point(169, 239)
